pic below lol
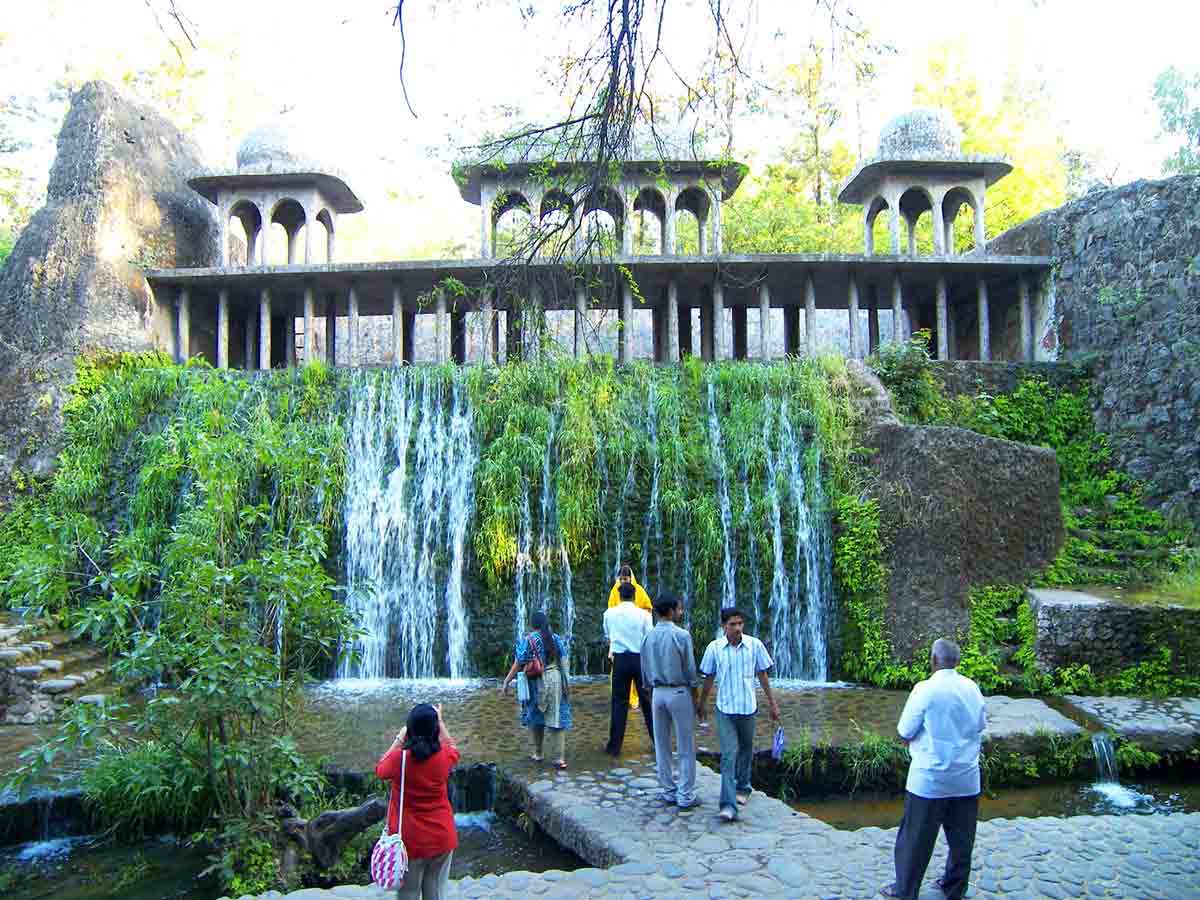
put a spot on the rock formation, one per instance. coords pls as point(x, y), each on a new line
point(117, 201)
point(957, 510)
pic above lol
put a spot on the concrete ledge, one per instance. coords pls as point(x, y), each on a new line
point(1162, 725)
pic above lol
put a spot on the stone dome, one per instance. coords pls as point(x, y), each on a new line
point(921, 134)
point(288, 143)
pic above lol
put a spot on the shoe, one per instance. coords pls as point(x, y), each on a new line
point(743, 799)
point(940, 881)
point(560, 764)
point(692, 805)
point(728, 814)
point(669, 799)
point(889, 890)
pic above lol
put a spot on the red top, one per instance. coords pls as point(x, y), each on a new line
point(428, 819)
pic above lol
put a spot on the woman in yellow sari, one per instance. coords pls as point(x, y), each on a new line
point(642, 601)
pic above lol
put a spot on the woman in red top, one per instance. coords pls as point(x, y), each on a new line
point(428, 826)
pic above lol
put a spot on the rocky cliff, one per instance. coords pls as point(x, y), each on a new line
point(117, 200)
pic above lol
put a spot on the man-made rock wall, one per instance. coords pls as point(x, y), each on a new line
point(957, 510)
point(1125, 298)
point(117, 200)
point(1075, 628)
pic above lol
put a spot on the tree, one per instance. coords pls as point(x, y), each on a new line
point(1178, 99)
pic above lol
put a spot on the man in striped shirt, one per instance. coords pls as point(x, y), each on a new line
point(735, 661)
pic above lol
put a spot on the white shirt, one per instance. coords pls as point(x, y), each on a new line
point(944, 719)
point(736, 670)
point(626, 627)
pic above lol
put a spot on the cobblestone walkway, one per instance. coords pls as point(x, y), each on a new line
point(643, 848)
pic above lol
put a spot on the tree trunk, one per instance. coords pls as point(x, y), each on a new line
point(326, 835)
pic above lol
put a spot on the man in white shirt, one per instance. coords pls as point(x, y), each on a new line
point(626, 627)
point(942, 725)
point(735, 662)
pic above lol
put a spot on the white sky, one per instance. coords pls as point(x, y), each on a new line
point(470, 59)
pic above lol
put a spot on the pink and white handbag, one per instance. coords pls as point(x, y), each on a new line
point(389, 859)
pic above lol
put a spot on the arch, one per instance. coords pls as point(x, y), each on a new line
point(507, 201)
point(872, 237)
point(964, 234)
point(555, 200)
point(511, 230)
point(914, 202)
point(250, 217)
point(649, 240)
point(602, 231)
point(694, 200)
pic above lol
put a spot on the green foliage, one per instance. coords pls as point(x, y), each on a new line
point(1178, 97)
point(876, 762)
point(906, 370)
point(990, 625)
point(1132, 758)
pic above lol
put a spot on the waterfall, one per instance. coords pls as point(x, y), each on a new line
point(409, 500)
point(751, 550)
point(800, 601)
point(543, 569)
point(728, 577)
point(1106, 758)
point(653, 521)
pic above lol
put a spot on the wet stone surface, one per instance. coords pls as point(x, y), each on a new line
point(1170, 723)
point(644, 848)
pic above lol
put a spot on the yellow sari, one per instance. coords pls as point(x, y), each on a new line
point(642, 601)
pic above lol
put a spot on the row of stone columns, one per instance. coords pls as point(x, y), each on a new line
point(671, 340)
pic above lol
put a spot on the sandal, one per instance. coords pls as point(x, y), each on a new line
point(533, 757)
point(560, 764)
point(940, 881)
point(889, 890)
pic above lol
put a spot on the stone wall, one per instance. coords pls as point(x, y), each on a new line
point(1075, 628)
point(1124, 297)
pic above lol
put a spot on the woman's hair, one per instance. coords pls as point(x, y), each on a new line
point(541, 625)
point(625, 572)
point(423, 732)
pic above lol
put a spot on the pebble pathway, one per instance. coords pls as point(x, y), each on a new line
point(644, 849)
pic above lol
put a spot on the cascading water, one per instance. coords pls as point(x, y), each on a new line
point(800, 601)
point(653, 521)
point(729, 568)
point(1106, 757)
point(409, 499)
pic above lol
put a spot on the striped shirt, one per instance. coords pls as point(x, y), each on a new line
point(736, 669)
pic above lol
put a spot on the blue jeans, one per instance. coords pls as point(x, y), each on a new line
point(736, 734)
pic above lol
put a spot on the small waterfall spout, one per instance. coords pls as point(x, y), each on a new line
point(409, 499)
point(1106, 758)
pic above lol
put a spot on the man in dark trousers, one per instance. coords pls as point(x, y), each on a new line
point(942, 725)
point(626, 627)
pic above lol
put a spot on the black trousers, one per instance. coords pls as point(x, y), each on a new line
point(627, 670)
point(923, 818)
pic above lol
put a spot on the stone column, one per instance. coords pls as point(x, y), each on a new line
point(720, 342)
point(894, 224)
point(672, 324)
point(223, 328)
point(668, 247)
point(488, 351)
point(912, 235)
point(625, 338)
point(289, 334)
point(791, 331)
point(581, 299)
point(626, 222)
point(707, 351)
point(897, 309)
point(183, 328)
point(702, 237)
point(1026, 313)
point(222, 232)
point(308, 227)
point(291, 247)
point(486, 198)
point(985, 338)
point(739, 331)
point(939, 229)
point(980, 232)
point(310, 318)
point(352, 325)
point(764, 319)
point(714, 213)
point(868, 233)
point(441, 326)
point(810, 315)
point(852, 304)
point(943, 319)
point(250, 343)
point(329, 241)
point(264, 329)
point(873, 319)
point(397, 326)
point(948, 241)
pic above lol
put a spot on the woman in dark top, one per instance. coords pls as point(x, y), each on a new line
point(549, 703)
point(428, 827)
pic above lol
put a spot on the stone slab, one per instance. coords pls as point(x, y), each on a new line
point(1012, 718)
point(58, 686)
point(1166, 724)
